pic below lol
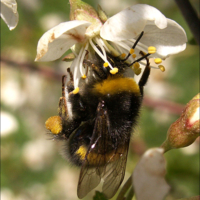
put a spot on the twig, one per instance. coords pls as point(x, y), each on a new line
point(191, 17)
point(47, 72)
point(28, 66)
point(171, 107)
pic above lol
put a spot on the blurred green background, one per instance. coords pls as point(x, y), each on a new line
point(31, 165)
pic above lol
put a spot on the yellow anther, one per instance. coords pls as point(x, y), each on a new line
point(84, 76)
point(162, 68)
point(151, 49)
point(105, 64)
point(123, 55)
point(54, 124)
point(131, 51)
point(76, 90)
point(134, 55)
point(136, 65)
point(157, 60)
point(137, 71)
point(114, 70)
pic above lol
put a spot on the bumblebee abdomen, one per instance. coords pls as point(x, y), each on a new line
point(95, 158)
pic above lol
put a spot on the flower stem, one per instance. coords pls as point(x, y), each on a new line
point(191, 17)
point(166, 146)
point(125, 188)
point(130, 194)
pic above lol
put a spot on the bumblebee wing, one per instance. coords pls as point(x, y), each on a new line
point(92, 169)
point(102, 160)
point(115, 172)
point(88, 180)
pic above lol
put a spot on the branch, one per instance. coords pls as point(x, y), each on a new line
point(47, 72)
point(191, 17)
point(173, 108)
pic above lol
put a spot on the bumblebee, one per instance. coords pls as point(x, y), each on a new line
point(96, 123)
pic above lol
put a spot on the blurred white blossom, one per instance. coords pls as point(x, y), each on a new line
point(37, 154)
point(9, 13)
point(9, 124)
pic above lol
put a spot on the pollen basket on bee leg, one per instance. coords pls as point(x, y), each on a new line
point(54, 124)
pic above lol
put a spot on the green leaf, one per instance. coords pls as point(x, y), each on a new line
point(99, 196)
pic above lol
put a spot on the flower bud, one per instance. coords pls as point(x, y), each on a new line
point(149, 176)
point(184, 130)
point(102, 14)
point(80, 10)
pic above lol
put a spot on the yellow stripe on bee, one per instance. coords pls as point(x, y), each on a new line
point(54, 124)
point(98, 159)
point(81, 152)
point(116, 85)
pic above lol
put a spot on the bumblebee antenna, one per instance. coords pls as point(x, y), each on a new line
point(134, 45)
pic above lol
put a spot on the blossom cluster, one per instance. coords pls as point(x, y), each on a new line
point(138, 28)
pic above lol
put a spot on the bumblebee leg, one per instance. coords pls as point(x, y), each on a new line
point(62, 109)
point(63, 125)
point(145, 75)
point(97, 68)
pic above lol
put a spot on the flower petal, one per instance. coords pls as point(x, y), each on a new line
point(55, 42)
point(167, 41)
point(148, 176)
point(130, 22)
point(9, 13)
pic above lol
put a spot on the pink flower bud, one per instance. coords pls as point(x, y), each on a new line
point(184, 130)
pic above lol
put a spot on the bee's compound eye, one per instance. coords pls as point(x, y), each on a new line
point(54, 124)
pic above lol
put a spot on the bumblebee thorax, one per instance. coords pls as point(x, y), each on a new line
point(116, 85)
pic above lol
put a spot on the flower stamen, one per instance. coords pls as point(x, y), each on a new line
point(136, 65)
point(161, 67)
point(105, 64)
point(134, 55)
point(157, 60)
point(76, 90)
point(133, 47)
point(139, 59)
point(151, 50)
point(137, 71)
point(114, 70)
point(99, 53)
point(83, 52)
point(132, 51)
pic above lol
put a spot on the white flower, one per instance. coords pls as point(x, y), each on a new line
point(116, 36)
point(9, 13)
point(148, 176)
